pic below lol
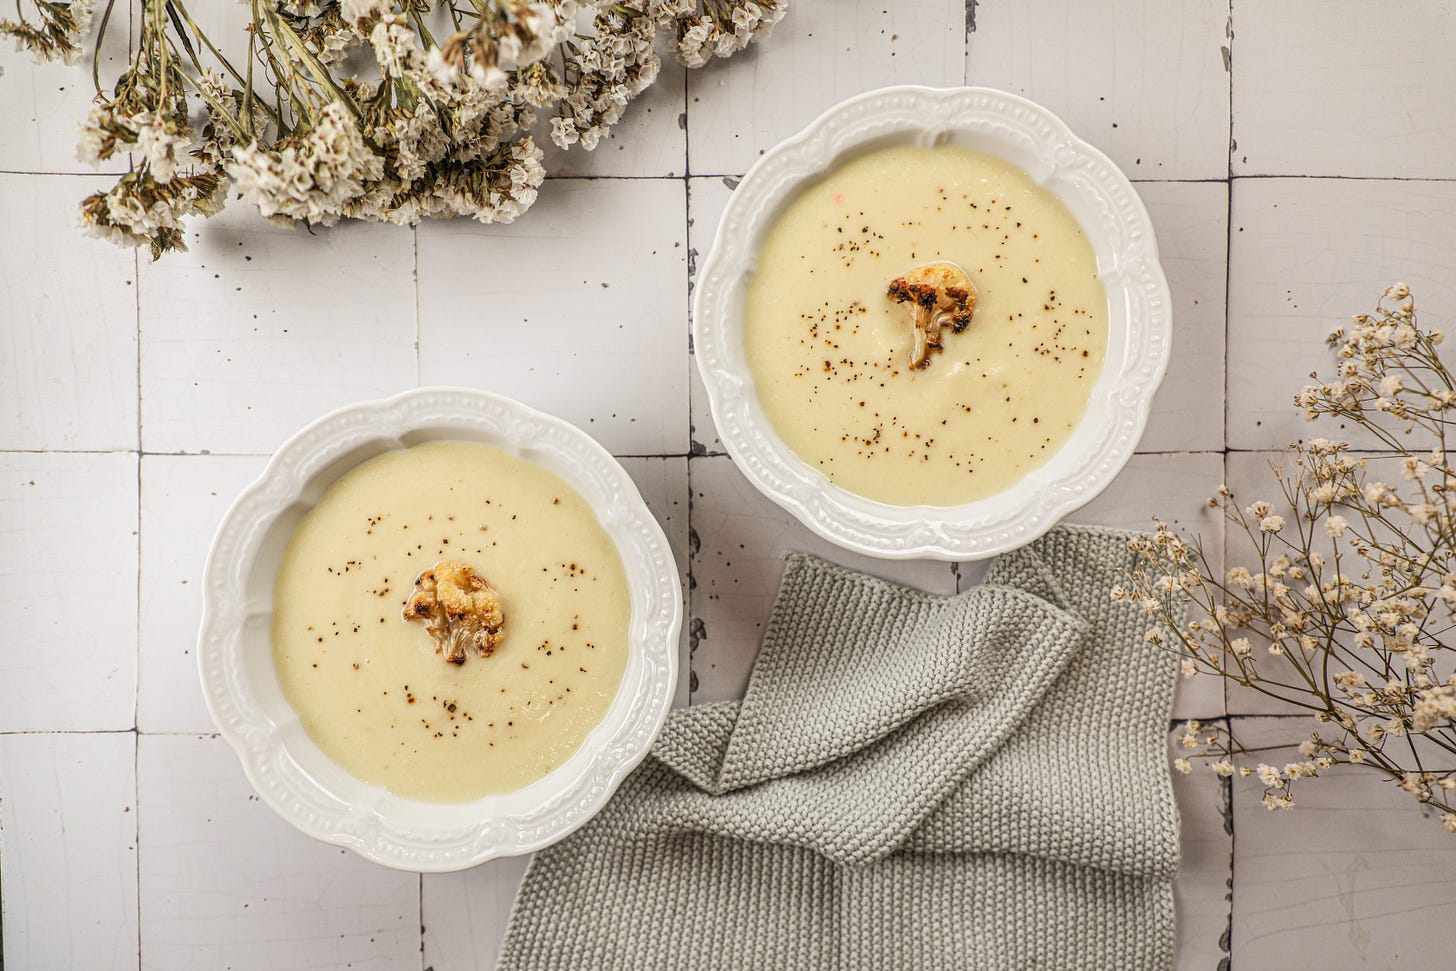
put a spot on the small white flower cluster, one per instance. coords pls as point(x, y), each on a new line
point(1349, 609)
point(149, 206)
point(311, 177)
point(607, 71)
point(724, 29)
point(139, 211)
point(442, 129)
point(59, 33)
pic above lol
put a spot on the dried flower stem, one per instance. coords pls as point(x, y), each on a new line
point(1352, 599)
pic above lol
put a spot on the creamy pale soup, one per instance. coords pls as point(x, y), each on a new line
point(371, 688)
point(830, 351)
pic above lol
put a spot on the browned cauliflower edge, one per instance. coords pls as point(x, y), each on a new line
point(939, 294)
point(459, 609)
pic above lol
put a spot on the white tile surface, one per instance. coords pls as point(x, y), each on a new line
point(68, 851)
point(68, 370)
point(1306, 255)
point(818, 55)
point(1344, 87)
point(1352, 876)
point(465, 914)
point(227, 883)
point(579, 310)
point(183, 499)
point(1143, 80)
point(1191, 222)
point(1203, 887)
point(663, 483)
point(68, 560)
point(259, 330)
point(43, 103)
point(1174, 487)
point(738, 544)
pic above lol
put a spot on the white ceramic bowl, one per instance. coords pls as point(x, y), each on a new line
point(1139, 318)
point(284, 765)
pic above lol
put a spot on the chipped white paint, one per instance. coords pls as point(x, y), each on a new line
point(259, 329)
point(1205, 874)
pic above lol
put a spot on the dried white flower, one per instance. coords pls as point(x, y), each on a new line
point(1277, 800)
point(311, 178)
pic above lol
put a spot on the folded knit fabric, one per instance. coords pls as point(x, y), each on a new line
point(911, 781)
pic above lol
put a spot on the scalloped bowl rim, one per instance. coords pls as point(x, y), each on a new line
point(287, 769)
point(1140, 321)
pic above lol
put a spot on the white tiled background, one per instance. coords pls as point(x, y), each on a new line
point(1296, 157)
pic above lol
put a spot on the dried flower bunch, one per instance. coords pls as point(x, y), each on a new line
point(422, 128)
point(1347, 609)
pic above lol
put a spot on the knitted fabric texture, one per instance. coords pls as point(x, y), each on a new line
point(911, 781)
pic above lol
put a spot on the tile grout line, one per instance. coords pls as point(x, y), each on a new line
point(690, 266)
point(1227, 289)
point(968, 27)
point(136, 740)
point(86, 731)
point(1226, 793)
point(1227, 962)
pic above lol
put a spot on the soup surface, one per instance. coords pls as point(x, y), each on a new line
point(370, 687)
point(829, 350)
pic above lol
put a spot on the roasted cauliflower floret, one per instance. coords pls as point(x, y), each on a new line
point(939, 295)
point(459, 609)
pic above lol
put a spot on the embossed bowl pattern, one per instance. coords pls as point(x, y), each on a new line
point(291, 774)
point(1139, 319)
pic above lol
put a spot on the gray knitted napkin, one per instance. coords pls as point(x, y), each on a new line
point(911, 781)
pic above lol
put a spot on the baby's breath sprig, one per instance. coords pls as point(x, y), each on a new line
point(1348, 610)
point(436, 128)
